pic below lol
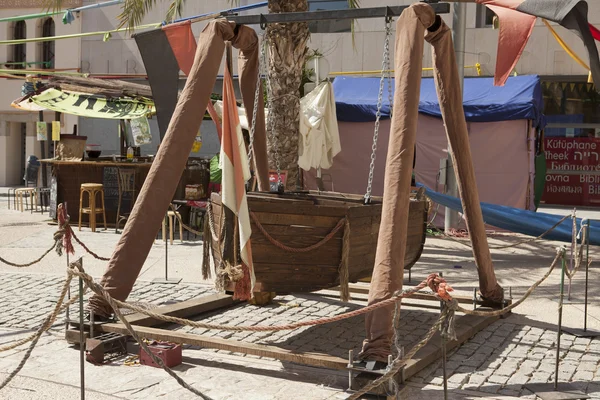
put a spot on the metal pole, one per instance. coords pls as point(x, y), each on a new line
point(587, 265)
point(68, 298)
point(459, 25)
point(560, 309)
point(443, 336)
point(573, 249)
point(166, 250)
point(81, 341)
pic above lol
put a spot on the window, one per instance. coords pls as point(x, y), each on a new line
point(48, 47)
point(329, 26)
point(572, 108)
point(18, 52)
point(485, 17)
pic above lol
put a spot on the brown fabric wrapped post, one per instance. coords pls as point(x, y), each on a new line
point(451, 105)
point(391, 246)
point(161, 183)
point(248, 65)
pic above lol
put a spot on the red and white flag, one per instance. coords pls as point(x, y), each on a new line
point(236, 171)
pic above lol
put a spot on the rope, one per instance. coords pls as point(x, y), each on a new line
point(398, 363)
point(43, 328)
point(560, 253)
point(297, 249)
point(90, 252)
point(344, 264)
point(29, 264)
point(186, 227)
point(196, 324)
point(58, 236)
point(99, 290)
point(526, 241)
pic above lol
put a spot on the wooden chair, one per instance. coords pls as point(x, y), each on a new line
point(92, 189)
point(126, 181)
point(25, 193)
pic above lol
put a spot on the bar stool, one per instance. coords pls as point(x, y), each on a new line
point(92, 189)
point(172, 215)
point(24, 193)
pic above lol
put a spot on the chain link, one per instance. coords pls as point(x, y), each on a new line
point(270, 119)
point(385, 73)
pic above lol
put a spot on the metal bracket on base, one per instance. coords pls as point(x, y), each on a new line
point(366, 370)
point(172, 281)
point(564, 391)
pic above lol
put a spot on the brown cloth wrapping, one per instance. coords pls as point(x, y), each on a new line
point(451, 105)
point(160, 185)
point(388, 271)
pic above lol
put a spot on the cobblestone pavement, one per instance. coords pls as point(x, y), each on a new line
point(504, 357)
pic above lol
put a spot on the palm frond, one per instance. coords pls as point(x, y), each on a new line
point(174, 10)
point(353, 4)
point(52, 5)
point(134, 11)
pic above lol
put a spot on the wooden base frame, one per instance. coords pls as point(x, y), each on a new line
point(466, 327)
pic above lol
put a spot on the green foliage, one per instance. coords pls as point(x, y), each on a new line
point(308, 74)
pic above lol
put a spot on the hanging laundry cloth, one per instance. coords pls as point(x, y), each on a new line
point(319, 134)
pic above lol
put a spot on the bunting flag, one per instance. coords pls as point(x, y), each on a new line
point(165, 52)
point(517, 18)
point(235, 170)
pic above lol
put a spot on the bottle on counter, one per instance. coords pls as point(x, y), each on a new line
point(130, 153)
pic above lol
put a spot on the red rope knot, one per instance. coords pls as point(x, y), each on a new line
point(439, 286)
point(64, 235)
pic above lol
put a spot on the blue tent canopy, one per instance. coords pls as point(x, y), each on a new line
point(520, 98)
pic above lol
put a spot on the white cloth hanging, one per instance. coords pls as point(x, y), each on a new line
point(241, 111)
point(319, 135)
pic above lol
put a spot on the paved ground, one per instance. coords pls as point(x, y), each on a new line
point(496, 363)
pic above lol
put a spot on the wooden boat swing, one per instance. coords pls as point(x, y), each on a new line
point(284, 225)
point(309, 241)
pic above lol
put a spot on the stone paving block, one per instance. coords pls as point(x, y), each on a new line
point(498, 379)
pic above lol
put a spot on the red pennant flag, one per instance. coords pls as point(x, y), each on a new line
point(516, 23)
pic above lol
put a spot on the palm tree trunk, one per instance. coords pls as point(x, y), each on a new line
point(287, 50)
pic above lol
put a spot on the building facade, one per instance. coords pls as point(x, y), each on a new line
point(565, 82)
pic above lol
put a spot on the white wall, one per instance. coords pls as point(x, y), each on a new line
point(542, 55)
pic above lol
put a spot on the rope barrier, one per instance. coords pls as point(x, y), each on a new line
point(29, 264)
point(526, 241)
point(196, 324)
point(95, 287)
point(35, 337)
point(90, 252)
point(560, 253)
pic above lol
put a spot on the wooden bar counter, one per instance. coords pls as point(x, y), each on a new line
point(67, 177)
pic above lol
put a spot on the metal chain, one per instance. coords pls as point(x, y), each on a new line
point(255, 108)
point(385, 67)
point(270, 119)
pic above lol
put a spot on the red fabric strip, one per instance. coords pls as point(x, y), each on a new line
point(183, 43)
point(595, 32)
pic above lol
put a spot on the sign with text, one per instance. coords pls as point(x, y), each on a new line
point(37, 4)
point(573, 176)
